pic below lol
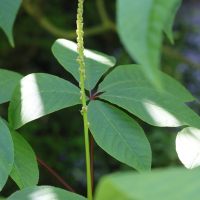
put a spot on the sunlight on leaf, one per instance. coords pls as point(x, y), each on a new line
point(119, 135)
point(45, 193)
point(160, 115)
point(38, 109)
point(39, 194)
point(40, 94)
point(67, 44)
point(89, 53)
point(96, 63)
point(188, 147)
point(153, 107)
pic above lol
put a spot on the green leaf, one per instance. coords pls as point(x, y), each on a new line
point(119, 135)
point(96, 63)
point(188, 147)
point(140, 25)
point(131, 76)
point(160, 184)
point(25, 169)
point(39, 94)
point(44, 193)
point(8, 81)
point(170, 20)
point(6, 123)
point(8, 12)
point(6, 154)
point(153, 107)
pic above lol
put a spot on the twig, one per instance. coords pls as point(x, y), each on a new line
point(104, 16)
point(55, 174)
point(69, 34)
point(176, 55)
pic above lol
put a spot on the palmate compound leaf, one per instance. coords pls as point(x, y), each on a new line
point(39, 94)
point(8, 81)
point(140, 29)
point(8, 12)
point(6, 153)
point(153, 107)
point(25, 169)
point(96, 63)
point(160, 184)
point(44, 193)
point(188, 147)
point(170, 20)
point(132, 76)
point(119, 135)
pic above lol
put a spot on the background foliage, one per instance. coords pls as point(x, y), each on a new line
point(58, 138)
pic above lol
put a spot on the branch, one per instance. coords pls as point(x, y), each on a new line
point(69, 34)
point(104, 17)
point(176, 55)
point(55, 174)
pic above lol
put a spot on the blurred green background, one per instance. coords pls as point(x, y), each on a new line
point(58, 138)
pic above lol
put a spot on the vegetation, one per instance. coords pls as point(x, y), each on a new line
point(111, 99)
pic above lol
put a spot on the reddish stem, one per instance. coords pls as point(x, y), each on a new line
point(94, 96)
point(55, 174)
point(92, 160)
point(90, 94)
point(95, 93)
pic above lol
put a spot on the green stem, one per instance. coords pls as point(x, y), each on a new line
point(87, 144)
point(87, 149)
point(81, 70)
